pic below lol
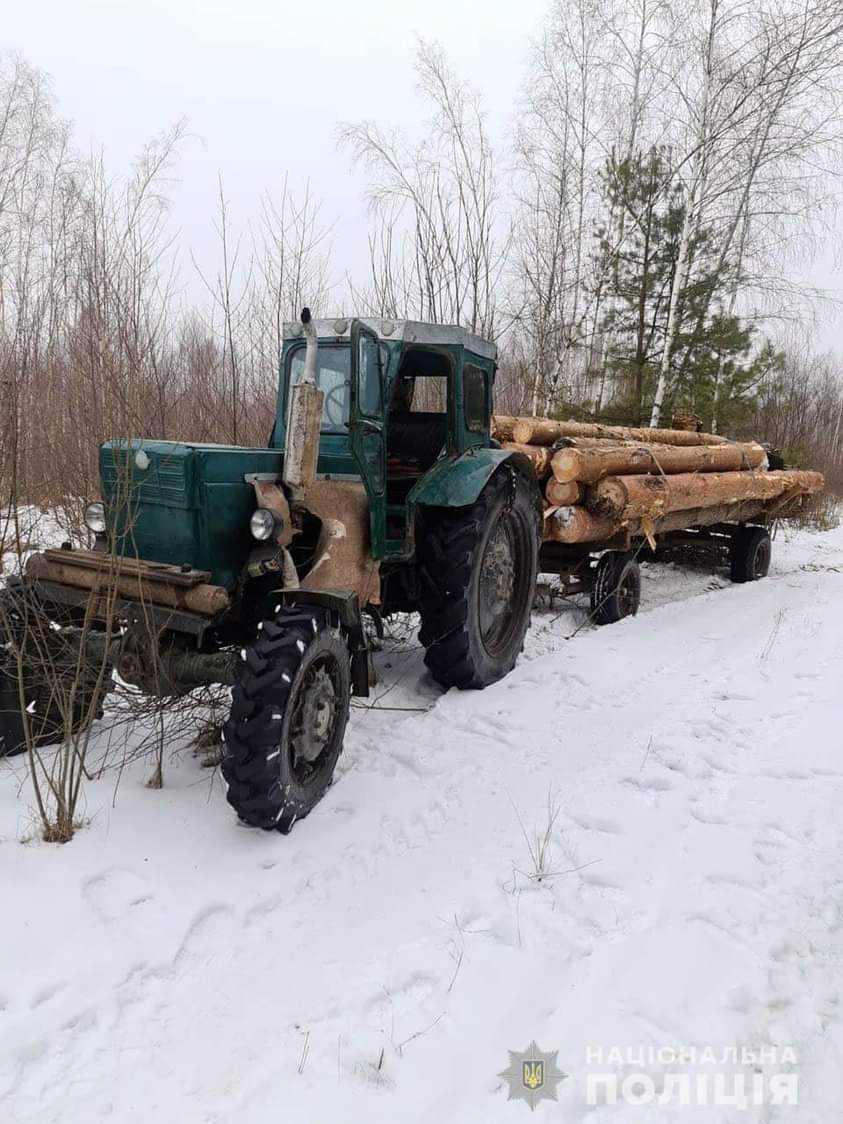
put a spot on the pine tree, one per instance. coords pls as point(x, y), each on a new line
point(713, 358)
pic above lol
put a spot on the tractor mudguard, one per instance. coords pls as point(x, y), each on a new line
point(345, 604)
point(458, 481)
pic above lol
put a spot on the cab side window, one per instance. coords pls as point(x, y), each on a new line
point(370, 366)
point(474, 399)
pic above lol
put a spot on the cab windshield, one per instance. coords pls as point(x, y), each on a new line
point(333, 377)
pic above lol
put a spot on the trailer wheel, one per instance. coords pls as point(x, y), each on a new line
point(289, 710)
point(751, 552)
point(616, 592)
point(477, 570)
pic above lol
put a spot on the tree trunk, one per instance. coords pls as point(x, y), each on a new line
point(679, 278)
point(590, 465)
point(635, 497)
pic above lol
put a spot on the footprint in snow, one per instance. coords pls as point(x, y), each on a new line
point(710, 817)
point(208, 935)
point(596, 881)
point(259, 912)
point(716, 763)
point(651, 785)
point(115, 894)
point(44, 995)
point(596, 823)
point(470, 921)
point(405, 996)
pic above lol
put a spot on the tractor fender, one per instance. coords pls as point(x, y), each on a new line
point(458, 481)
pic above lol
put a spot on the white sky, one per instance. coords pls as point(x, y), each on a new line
point(263, 85)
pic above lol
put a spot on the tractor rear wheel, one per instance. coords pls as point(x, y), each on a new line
point(289, 711)
point(477, 568)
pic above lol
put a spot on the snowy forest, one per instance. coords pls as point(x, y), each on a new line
point(634, 248)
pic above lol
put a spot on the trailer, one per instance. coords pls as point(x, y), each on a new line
point(737, 537)
point(615, 496)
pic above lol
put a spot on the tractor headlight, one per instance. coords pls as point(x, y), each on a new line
point(264, 524)
point(95, 518)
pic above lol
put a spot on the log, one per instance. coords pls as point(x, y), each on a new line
point(591, 465)
point(503, 425)
point(686, 421)
point(576, 524)
point(537, 431)
point(624, 498)
point(563, 494)
point(540, 456)
point(563, 525)
point(133, 584)
point(545, 431)
point(744, 511)
point(591, 442)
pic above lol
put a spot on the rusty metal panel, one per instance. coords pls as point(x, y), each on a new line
point(302, 440)
point(343, 559)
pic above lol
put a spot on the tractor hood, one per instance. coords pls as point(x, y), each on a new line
point(183, 504)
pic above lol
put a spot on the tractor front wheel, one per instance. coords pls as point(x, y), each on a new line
point(478, 567)
point(288, 717)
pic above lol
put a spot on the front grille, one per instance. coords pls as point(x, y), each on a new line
point(167, 480)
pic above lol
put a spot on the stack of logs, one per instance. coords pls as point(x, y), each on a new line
point(600, 480)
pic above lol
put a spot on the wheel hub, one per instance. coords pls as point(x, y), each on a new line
point(762, 559)
point(626, 595)
point(497, 582)
point(315, 716)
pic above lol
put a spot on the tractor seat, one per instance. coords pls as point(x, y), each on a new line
point(416, 436)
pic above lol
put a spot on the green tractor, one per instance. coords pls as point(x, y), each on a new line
point(381, 491)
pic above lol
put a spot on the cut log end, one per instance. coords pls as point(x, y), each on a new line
point(540, 456)
point(559, 494)
point(576, 524)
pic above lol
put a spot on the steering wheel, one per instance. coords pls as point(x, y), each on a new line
point(334, 406)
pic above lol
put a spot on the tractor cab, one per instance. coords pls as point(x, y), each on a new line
point(399, 400)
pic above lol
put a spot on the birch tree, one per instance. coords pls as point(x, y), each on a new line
point(763, 107)
point(441, 194)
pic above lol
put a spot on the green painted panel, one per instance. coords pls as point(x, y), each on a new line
point(457, 481)
point(224, 536)
point(189, 506)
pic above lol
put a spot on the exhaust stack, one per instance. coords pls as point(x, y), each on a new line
point(301, 447)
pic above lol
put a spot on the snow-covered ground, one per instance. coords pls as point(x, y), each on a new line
point(378, 964)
